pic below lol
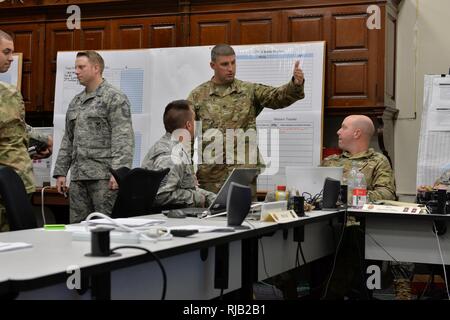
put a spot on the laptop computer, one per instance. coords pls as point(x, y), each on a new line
point(242, 176)
point(311, 179)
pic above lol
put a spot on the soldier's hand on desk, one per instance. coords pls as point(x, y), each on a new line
point(61, 184)
point(298, 74)
point(198, 199)
point(113, 184)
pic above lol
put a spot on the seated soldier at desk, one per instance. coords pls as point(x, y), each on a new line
point(172, 150)
point(354, 139)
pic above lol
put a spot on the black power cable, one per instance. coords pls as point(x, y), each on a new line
point(299, 247)
point(163, 271)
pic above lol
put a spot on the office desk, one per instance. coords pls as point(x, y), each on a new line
point(407, 237)
point(40, 272)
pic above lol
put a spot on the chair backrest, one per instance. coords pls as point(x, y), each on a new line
point(137, 191)
point(120, 173)
point(19, 211)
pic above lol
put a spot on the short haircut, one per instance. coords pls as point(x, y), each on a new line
point(221, 50)
point(176, 114)
point(93, 58)
point(6, 36)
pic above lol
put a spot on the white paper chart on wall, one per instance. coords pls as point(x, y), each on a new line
point(434, 138)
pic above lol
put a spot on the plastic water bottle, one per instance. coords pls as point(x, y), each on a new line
point(359, 191)
point(281, 194)
point(291, 194)
point(351, 178)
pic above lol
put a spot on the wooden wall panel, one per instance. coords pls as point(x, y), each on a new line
point(129, 35)
point(303, 25)
point(163, 35)
point(152, 32)
point(239, 28)
point(211, 29)
point(94, 35)
point(254, 31)
point(213, 32)
point(58, 38)
point(23, 42)
point(29, 39)
point(350, 32)
point(352, 61)
point(350, 80)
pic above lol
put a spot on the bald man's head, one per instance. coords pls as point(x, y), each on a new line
point(355, 133)
point(364, 123)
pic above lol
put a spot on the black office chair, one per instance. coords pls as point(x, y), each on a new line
point(137, 191)
point(19, 211)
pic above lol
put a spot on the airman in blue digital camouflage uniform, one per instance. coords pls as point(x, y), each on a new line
point(98, 136)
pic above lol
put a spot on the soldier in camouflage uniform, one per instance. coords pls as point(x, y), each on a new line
point(228, 103)
point(14, 132)
point(98, 136)
point(354, 139)
point(172, 151)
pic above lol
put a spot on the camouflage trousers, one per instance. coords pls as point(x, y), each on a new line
point(89, 196)
point(4, 225)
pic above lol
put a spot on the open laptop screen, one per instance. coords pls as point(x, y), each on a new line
point(242, 176)
point(311, 179)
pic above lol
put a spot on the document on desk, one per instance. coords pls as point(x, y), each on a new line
point(203, 228)
point(10, 246)
point(413, 209)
